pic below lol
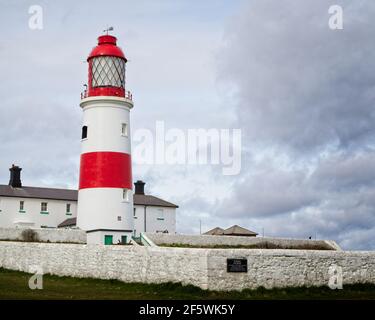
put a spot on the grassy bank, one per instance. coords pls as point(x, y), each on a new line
point(259, 245)
point(14, 285)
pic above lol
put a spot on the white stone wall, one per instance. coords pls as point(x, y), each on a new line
point(288, 268)
point(208, 240)
point(205, 268)
point(46, 235)
point(125, 263)
point(10, 215)
point(158, 219)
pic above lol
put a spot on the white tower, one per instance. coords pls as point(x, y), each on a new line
point(105, 198)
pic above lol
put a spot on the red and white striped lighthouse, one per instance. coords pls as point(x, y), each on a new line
point(105, 198)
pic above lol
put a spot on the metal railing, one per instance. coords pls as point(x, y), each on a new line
point(84, 94)
point(128, 95)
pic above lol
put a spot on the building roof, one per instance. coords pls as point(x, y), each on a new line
point(71, 222)
point(239, 231)
point(72, 195)
point(215, 232)
point(146, 200)
point(39, 193)
point(231, 231)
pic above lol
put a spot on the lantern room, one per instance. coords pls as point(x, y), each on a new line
point(106, 76)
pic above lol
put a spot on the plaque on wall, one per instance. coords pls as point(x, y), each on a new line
point(237, 265)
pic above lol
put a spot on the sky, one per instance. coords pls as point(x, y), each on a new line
point(301, 93)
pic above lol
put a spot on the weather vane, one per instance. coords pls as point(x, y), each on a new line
point(108, 29)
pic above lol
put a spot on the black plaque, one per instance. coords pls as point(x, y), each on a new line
point(236, 265)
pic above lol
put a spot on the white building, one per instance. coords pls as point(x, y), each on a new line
point(35, 207)
point(152, 214)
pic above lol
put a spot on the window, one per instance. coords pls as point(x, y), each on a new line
point(84, 132)
point(119, 218)
point(125, 194)
point(124, 129)
point(68, 208)
point(44, 207)
point(22, 206)
point(108, 72)
point(160, 214)
point(135, 213)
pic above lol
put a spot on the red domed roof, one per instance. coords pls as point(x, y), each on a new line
point(107, 47)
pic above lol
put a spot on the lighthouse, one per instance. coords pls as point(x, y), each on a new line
point(105, 198)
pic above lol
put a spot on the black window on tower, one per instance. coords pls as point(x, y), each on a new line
point(84, 132)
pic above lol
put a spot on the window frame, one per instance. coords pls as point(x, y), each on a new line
point(125, 195)
point(160, 216)
point(124, 134)
point(84, 133)
point(68, 209)
point(46, 207)
point(108, 74)
point(22, 206)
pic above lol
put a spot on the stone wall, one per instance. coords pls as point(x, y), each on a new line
point(207, 240)
point(282, 268)
point(125, 263)
point(46, 235)
point(205, 268)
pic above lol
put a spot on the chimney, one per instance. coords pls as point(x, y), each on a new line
point(139, 187)
point(15, 177)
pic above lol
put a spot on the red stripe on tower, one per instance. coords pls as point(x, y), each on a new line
point(105, 170)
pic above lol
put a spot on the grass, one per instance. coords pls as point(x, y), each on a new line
point(14, 285)
point(259, 245)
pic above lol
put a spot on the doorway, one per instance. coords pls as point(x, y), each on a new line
point(108, 240)
point(124, 239)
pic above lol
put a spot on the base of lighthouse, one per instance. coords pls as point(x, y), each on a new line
point(106, 217)
point(108, 237)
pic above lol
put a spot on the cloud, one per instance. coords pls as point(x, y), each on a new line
point(304, 98)
point(269, 191)
point(301, 85)
point(346, 171)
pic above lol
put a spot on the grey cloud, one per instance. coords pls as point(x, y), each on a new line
point(334, 201)
point(301, 85)
point(307, 93)
point(269, 191)
point(346, 171)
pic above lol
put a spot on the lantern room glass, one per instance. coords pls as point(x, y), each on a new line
point(108, 72)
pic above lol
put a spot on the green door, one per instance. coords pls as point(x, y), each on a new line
point(124, 239)
point(108, 239)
